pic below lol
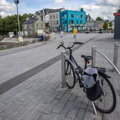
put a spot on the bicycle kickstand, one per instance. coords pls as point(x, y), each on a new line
point(94, 108)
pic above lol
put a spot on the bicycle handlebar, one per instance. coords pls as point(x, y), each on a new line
point(69, 47)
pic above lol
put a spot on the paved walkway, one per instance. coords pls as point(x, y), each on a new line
point(39, 96)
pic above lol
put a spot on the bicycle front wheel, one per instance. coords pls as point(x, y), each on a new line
point(107, 102)
point(70, 74)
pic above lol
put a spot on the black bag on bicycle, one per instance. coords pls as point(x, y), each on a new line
point(92, 84)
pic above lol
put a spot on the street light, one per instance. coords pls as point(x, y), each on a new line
point(17, 2)
point(16, 28)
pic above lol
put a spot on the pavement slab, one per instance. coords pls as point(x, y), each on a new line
point(40, 97)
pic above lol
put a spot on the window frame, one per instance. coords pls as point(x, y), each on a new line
point(72, 15)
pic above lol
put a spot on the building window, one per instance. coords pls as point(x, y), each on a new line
point(62, 16)
point(50, 16)
point(77, 22)
point(56, 15)
point(65, 22)
point(54, 22)
point(53, 16)
point(41, 25)
point(72, 16)
point(57, 21)
point(51, 22)
point(71, 21)
point(65, 15)
point(81, 22)
point(77, 15)
point(37, 25)
point(25, 26)
point(81, 16)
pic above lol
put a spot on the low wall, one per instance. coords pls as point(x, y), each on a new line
point(7, 45)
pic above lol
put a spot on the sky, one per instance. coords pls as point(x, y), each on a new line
point(96, 8)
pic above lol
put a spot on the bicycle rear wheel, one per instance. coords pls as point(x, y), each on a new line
point(70, 74)
point(107, 102)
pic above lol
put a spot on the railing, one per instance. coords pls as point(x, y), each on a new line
point(94, 50)
point(116, 45)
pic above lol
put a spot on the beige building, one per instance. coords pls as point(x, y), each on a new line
point(32, 26)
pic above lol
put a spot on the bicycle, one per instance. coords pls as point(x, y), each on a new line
point(74, 73)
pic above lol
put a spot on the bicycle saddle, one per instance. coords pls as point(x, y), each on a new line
point(86, 58)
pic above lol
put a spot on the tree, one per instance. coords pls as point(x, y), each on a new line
point(110, 24)
point(119, 11)
point(105, 26)
point(8, 24)
point(98, 18)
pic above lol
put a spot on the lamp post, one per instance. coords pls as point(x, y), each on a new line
point(17, 2)
point(16, 28)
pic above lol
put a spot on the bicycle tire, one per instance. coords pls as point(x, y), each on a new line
point(101, 108)
point(70, 75)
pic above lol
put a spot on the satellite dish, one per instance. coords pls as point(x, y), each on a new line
point(16, 1)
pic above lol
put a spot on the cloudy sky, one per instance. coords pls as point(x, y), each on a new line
point(102, 8)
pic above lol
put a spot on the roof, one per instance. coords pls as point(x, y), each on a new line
point(116, 14)
point(100, 21)
point(30, 21)
point(47, 10)
point(88, 16)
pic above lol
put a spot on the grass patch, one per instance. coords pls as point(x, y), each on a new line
point(1, 38)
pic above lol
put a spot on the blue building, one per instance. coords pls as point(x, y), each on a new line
point(70, 19)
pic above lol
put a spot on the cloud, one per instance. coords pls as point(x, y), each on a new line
point(6, 7)
point(59, 1)
point(102, 8)
point(112, 3)
point(4, 14)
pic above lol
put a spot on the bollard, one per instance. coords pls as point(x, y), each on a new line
point(115, 54)
point(63, 69)
point(93, 55)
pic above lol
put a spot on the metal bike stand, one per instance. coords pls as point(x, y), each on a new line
point(94, 108)
point(116, 45)
point(63, 70)
point(93, 55)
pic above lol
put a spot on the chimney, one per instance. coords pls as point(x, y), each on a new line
point(27, 18)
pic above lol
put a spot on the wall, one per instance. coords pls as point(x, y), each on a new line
point(54, 19)
point(117, 27)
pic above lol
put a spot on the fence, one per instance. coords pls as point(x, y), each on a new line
point(116, 45)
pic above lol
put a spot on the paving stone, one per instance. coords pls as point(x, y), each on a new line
point(60, 94)
point(73, 96)
point(68, 105)
point(51, 106)
point(80, 114)
point(72, 114)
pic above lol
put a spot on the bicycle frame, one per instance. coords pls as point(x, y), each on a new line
point(75, 66)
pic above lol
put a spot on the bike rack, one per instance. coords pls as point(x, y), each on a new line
point(64, 86)
point(116, 45)
point(94, 50)
point(63, 69)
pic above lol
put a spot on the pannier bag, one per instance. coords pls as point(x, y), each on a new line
point(91, 82)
